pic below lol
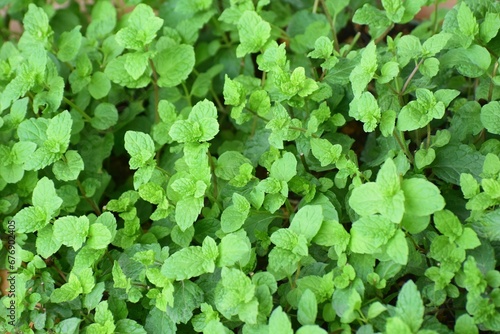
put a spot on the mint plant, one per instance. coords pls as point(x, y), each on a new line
point(250, 166)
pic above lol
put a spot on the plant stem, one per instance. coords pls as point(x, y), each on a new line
point(412, 74)
point(77, 108)
point(490, 91)
point(403, 146)
point(331, 21)
point(156, 92)
point(188, 95)
point(381, 37)
point(353, 42)
point(428, 143)
point(89, 200)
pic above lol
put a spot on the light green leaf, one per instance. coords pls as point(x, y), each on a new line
point(46, 244)
point(467, 22)
point(234, 294)
point(279, 322)
point(234, 249)
point(424, 157)
point(422, 197)
point(141, 148)
point(397, 248)
point(254, 33)
point(365, 108)
point(489, 27)
point(234, 216)
point(67, 291)
point(307, 308)
point(187, 211)
point(69, 167)
point(69, 44)
point(410, 306)
point(307, 221)
point(490, 117)
point(388, 72)
point(186, 263)
point(284, 168)
point(394, 9)
point(99, 236)
point(105, 116)
point(366, 199)
point(71, 231)
point(141, 28)
point(45, 196)
point(99, 85)
point(370, 233)
point(435, 44)
point(324, 151)
point(420, 112)
point(174, 64)
point(364, 72)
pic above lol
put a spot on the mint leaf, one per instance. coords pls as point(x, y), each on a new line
point(308, 308)
point(186, 263)
point(366, 109)
point(141, 28)
point(71, 231)
point(69, 44)
point(410, 306)
point(364, 72)
point(284, 168)
point(174, 64)
point(69, 167)
point(307, 221)
point(326, 152)
point(140, 147)
point(490, 117)
point(421, 197)
point(254, 33)
point(370, 233)
point(419, 113)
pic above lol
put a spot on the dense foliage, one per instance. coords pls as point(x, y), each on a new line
point(327, 166)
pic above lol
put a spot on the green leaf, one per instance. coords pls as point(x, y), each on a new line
point(103, 20)
point(99, 85)
point(46, 245)
point(365, 108)
point(323, 48)
point(466, 21)
point(284, 168)
point(99, 236)
point(364, 72)
point(174, 64)
point(187, 211)
point(234, 92)
point(234, 216)
point(186, 263)
point(45, 196)
point(307, 308)
point(388, 72)
point(307, 221)
point(141, 28)
point(422, 197)
point(410, 306)
point(397, 248)
point(254, 33)
point(465, 325)
point(489, 27)
point(452, 160)
point(370, 233)
point(490, 117)
point(105, 116)
point(394, 9)
point(187, 297)
point(420, 112)
point(140, 147)
point(408, 48)
point(136, 63)
point(424, 157)
point(234, 295)
point(129, 326)
point(234, 249)
point(69, 44)
point(69, 167)
point(471, 62)
point(326, 152)
point(279, 322)
point(375, 309)
point(435, 43)
point(71, 231)
point(68, 291)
